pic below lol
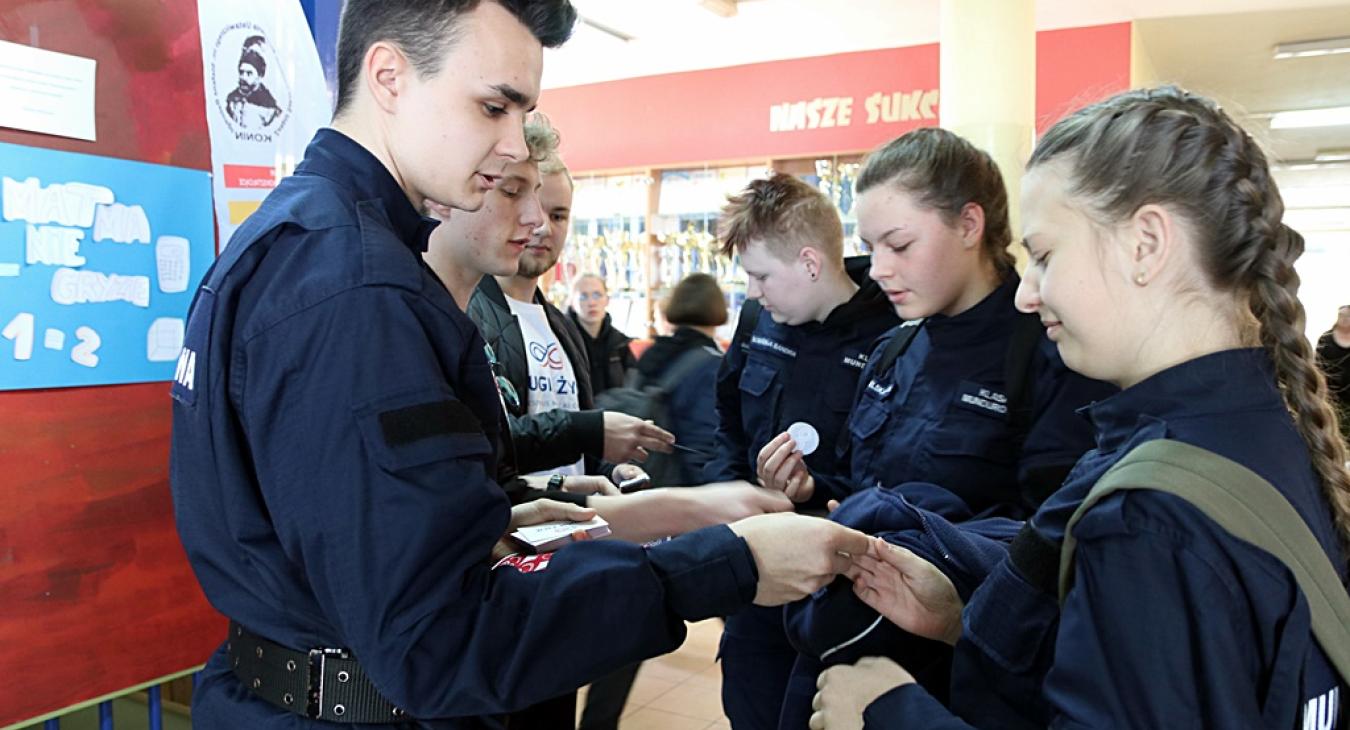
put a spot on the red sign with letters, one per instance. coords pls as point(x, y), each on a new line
point(849, 102)
point(255, 177)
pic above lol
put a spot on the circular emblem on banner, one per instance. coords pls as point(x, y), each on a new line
point(249, 84)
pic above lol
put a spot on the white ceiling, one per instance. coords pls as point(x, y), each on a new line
point(1221, 48)
point(1228, 57)
point(680, 35)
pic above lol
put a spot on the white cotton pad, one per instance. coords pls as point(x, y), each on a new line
point(806, 437)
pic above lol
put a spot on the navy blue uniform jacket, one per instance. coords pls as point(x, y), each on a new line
point(333, 466)
point(943, 414)
point(776, 374)
point(1171, 621)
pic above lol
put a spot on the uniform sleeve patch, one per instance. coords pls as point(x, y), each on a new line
point(425, 420)
point(192, 363)
point(525, 563)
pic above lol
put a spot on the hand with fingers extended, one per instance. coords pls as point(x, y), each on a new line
point(843, 692)
point(909, 591)
point(781, 467)
point(537, 512)
point(798, 555)
point(655, 513)
point(631, 439)
point(589, 485)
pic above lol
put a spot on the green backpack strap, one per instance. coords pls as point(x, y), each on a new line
point(1250, 509)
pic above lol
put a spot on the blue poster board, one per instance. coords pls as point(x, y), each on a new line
point(99, 259)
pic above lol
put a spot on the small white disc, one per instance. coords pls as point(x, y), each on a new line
point(806, 437)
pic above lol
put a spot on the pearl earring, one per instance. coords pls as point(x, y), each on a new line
point(1140, 277)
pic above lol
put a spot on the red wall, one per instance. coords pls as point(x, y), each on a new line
point(723, 114)
point(1077, 66)
point(95, 592)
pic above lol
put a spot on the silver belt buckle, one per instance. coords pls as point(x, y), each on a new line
point(318, 661)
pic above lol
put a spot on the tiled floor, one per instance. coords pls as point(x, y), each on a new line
point(681, 690)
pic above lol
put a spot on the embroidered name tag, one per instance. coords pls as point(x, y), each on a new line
point(976, 397)
point(765, 343)
point(879, 389)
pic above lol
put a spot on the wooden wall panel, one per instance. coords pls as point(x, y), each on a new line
point(95, 592)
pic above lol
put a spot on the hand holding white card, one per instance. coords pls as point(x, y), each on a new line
point(549, 536)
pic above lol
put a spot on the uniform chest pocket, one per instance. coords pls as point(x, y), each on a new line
point(962, 434)
point(407, 431)
point(867, 418)
point(756, 378)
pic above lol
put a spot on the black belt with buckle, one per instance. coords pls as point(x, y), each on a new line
point(321, 684)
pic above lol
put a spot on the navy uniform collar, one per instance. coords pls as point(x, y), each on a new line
point(989, 315)
point(334, 155)
point(1228, 381)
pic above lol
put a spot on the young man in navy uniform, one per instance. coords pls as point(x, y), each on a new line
point(796, 357)
point(335, 422)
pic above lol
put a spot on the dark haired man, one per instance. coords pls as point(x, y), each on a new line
point(335, 427)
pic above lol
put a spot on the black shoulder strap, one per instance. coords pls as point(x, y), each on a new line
point(1026, 337)
point(745, 324)
point(898, 345)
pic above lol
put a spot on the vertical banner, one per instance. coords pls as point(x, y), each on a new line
point(265, 99)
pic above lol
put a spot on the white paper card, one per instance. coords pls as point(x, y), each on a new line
point(46, 91)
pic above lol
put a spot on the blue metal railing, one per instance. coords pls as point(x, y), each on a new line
point(154, 709)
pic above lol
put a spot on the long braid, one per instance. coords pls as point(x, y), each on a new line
point(1275, 302)
point(1255, 214)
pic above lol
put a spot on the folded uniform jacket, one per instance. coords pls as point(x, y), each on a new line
point(834, 626)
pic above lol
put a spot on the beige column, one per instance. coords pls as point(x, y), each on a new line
point(988, 83)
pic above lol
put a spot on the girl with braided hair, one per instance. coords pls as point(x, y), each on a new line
point(1159, 262)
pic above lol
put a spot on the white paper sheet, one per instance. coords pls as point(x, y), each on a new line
point(47, 92)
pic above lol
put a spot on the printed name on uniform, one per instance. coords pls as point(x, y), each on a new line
point(976, 397)
point(1322, 712)
point(858, 361)
point(774, 345)
point(186, 374)
point(193, 355)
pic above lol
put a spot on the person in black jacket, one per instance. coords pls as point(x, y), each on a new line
point(606, 346)
point(547, 387)
point(696, 307)
point(1333, 356)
